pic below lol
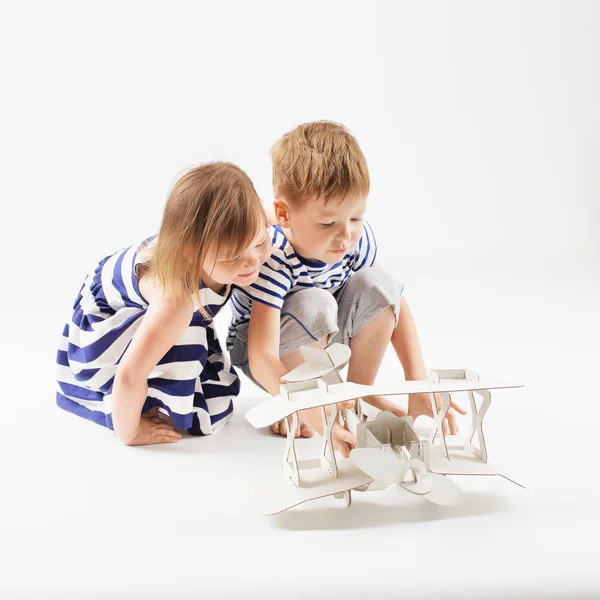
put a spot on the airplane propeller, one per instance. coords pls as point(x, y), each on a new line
point(387, 468)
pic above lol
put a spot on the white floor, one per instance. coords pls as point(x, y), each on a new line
point(85, 517)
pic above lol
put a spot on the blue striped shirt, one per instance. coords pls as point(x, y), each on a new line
point(286, 271)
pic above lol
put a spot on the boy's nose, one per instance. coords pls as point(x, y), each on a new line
point(345, 234)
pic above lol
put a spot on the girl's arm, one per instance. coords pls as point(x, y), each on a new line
point(163, 324)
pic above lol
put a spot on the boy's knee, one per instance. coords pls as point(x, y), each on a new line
point(310, 314)
point(363, 297)
point(377, 286)
point(312, 305)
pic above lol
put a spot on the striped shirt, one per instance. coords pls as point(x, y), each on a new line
point(286, 271)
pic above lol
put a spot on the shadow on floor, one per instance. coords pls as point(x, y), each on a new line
point(365, 514)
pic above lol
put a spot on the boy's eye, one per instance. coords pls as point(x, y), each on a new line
point(326, 225)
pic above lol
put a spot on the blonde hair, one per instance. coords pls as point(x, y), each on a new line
point(212, 208)
point(319, 159)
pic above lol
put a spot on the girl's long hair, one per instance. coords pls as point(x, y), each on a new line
point(212, 209)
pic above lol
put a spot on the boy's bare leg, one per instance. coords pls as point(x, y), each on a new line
point(408, 349)
point(291, 361)
point(368, 348)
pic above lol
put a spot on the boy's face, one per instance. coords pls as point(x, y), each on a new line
point(320, 231)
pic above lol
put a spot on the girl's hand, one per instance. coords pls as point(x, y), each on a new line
point(154, 430)
point(420, 404)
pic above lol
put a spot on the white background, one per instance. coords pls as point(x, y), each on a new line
point(480, 122)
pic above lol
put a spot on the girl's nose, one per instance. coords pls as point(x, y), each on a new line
point(252, 260)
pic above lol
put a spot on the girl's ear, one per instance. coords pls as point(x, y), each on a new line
point(282, 212)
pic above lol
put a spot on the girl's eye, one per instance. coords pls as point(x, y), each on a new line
point(233, 260)
point(357, 219)
point(262, 244)
point(326, 225)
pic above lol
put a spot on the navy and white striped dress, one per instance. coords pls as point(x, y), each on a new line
point(194, 381)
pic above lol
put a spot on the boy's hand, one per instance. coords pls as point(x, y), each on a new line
point(341, 438)
point(420, 404)
point(282, 428)
point(343, 441)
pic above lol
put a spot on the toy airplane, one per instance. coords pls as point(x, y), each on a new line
point(388, 452)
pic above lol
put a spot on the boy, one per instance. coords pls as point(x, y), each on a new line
point(321, 284)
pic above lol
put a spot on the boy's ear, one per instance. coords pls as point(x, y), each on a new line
point(282, 212)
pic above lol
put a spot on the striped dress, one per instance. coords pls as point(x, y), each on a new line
point(193, 382)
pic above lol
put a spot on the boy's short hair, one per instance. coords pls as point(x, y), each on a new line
point(319, 159)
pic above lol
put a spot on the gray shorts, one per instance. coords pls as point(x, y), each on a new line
point(310, 314)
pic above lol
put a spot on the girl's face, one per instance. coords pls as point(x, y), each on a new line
point(240, 270)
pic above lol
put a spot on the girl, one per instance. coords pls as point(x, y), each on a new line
point(141, 337)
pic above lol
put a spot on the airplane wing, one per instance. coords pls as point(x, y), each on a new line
point(318, 483)
point(318, 363)
point(448, 385)
point(305, 372)
point(277, 408)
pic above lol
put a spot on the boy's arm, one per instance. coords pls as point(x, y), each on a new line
point(408, 349)
point(267, 369)
point(263, 346)
point(263, 356)
point(406, 344)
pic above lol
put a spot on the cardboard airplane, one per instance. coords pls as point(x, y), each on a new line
point(389, 451)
